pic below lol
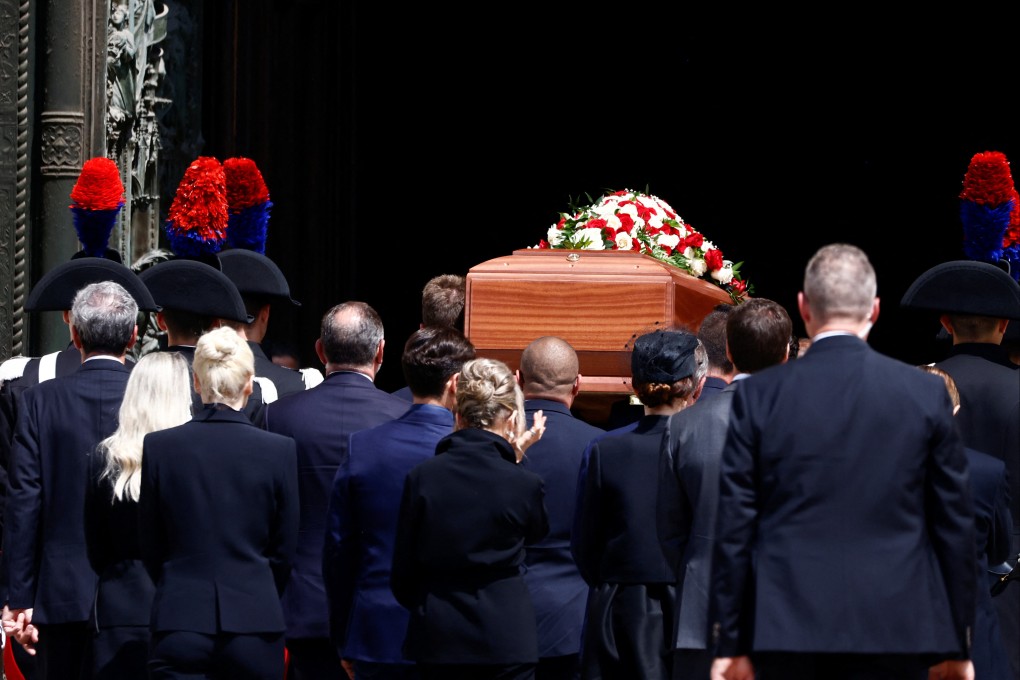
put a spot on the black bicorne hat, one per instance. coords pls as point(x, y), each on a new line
point(55, 291)
point(255, 274)
point(965, 287)
point(192, 286)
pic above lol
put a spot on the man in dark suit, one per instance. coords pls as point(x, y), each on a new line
point(321, 421)
point(367, 624)
point(261, 284)
point(756, 336)
point(550, 381)
point(712, 333)
point(50, 581)
point(845, 542)
point(977, 304)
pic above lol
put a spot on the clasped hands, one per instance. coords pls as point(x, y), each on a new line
point(17, 624)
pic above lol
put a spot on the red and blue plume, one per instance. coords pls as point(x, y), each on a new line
point(97, 198)
point(196, 225)
point(987, 203)
point(248, 203)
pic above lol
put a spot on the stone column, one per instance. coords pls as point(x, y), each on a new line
point(72, 78)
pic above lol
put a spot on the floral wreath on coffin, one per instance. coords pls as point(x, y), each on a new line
point(639, 221)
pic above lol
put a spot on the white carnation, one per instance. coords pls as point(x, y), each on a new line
point(554, 236)
point(669, 241)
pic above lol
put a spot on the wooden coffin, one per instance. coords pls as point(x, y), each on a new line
point(598, 301)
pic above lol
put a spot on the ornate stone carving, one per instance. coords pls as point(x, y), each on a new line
point(14, 171)
point(63, 143)
point(135, 70)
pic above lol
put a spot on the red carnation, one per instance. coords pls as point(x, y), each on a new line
point(98, 186)
point(562, 222)
point(694, 240)
point(988, 180)
point(738, 286)
point(714, 259)
point(543, 245)
point(245, 186)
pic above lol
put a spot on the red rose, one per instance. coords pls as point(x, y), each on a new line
point(596, 223)
point(738, 286)
point(626, 222)
point(714, 259)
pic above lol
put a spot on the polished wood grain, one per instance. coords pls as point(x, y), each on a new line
point(598, 301)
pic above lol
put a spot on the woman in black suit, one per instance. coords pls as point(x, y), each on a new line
point(219, 518)
point(465, 517)
point(629, 622)
point(157, 396)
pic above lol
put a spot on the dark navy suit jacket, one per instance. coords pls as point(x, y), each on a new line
point(557, 590)
point(320, 420)
point(218, 519)
point(60, 422)
point(990, 489)
point(989, 421)
point(615, 539)
point(845, 522)
point(366, 622)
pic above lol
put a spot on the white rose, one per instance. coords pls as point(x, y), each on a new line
point(624, 241)
point(724, 274)
point(629, 209)
point(698, 266)
point(667, 240)
point(607, 207)
point(592, 234)
point(554, 236)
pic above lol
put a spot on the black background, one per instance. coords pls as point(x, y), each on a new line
point(399, 143)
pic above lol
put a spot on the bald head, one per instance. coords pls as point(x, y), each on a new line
point(549, 369)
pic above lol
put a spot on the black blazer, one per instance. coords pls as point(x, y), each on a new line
point(124, 592)
point(464, 520)
point(218, 523)
point(60, 422)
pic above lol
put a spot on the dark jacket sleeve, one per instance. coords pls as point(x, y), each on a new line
point(152, 538)
point(282, 545)
point(404, 581)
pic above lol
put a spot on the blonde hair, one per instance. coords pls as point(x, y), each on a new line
point(157, 396)
point(224, 365)
point(487, 391)
point(954, 392)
